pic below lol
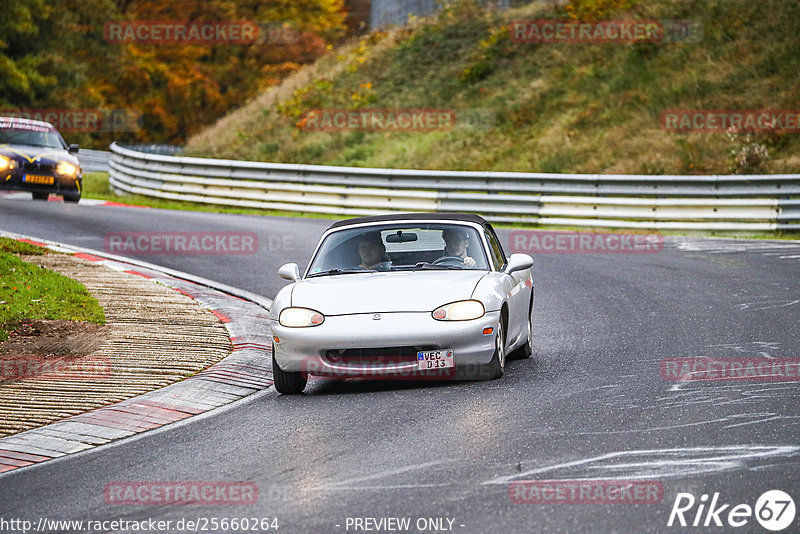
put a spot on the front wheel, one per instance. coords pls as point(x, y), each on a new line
point(72, 199)
point(497, 365)
point(526, 350)
point(286, 382)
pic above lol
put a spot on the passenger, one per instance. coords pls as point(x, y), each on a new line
point(456, 244)
point(372, 252)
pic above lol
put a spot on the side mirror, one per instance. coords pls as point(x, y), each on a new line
point(289, 271)
point(518, 262)
point(73, 149)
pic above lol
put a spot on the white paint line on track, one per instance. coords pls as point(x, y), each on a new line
point(659, 463)
point(381, 474)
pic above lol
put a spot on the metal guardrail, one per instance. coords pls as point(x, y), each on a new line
point(757, 203)
point(97, 160)
point(94, 160)
point(152, 148)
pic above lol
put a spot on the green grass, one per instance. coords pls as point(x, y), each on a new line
point(29, 292)
point(582, 108)
point(12, 246)
point(572, 108)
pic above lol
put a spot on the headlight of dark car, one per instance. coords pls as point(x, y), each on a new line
point(7, 164)
point(66, 169)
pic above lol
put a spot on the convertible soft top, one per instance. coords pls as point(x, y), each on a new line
point(463, 217)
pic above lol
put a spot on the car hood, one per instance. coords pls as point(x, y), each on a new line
point(405, 291)
point(38, 154)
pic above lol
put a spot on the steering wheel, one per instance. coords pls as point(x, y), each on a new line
point(449, 260)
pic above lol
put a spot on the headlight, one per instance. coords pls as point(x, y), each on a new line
point(66, 169)
point(6, 163)
point(464, 310)
point(300, 318)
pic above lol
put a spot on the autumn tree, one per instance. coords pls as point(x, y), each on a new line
point(55, 54)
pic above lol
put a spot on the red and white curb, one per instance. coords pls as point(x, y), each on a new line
point(246, 370)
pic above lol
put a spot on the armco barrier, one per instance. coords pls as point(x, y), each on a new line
point(93, 160)
point(97, 160)
point(758, 203)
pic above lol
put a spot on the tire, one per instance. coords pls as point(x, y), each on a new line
point(72, 199)
point(40, 196)
point(494, 369)
point(525, 351)
point(287, 383)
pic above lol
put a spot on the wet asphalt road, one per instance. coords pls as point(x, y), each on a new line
point(591, 404)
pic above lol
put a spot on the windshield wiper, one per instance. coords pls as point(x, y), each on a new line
point(341, 271)
point(424, 265)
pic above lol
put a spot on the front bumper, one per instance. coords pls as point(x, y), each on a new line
point(307, 349)
point(61, 184)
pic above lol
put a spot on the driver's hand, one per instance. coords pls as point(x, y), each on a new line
point(469, 261)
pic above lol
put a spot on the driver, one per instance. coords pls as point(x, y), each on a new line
point(372, 252)
point(456, 243)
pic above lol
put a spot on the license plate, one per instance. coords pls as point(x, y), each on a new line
point(38, 179)
point(435, 359)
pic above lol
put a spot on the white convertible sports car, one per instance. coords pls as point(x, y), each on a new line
point(408, 296)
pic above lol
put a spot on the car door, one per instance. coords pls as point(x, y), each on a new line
point(515, 288)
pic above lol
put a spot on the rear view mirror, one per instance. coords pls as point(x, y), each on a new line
point(518, 262)
point(289, 271)
point(73, 149)
point(401, 237)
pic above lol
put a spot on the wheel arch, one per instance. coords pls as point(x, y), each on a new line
point(504, 320)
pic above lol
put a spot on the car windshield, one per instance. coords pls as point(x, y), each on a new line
point(32, 135)
point(400, 247)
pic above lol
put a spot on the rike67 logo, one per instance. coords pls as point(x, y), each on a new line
point(774, 510)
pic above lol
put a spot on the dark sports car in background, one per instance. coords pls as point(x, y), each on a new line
point(34, 157)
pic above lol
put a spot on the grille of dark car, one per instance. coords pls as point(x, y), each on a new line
point(38, 167)
point(385, 355)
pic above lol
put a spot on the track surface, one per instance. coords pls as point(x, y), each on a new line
point(590, 404)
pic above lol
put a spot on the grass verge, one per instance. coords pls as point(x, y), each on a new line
point(29, 292)
point(552, 107)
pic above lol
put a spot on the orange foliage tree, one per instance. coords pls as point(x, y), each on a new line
point(181, 87)
point(58, 55)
